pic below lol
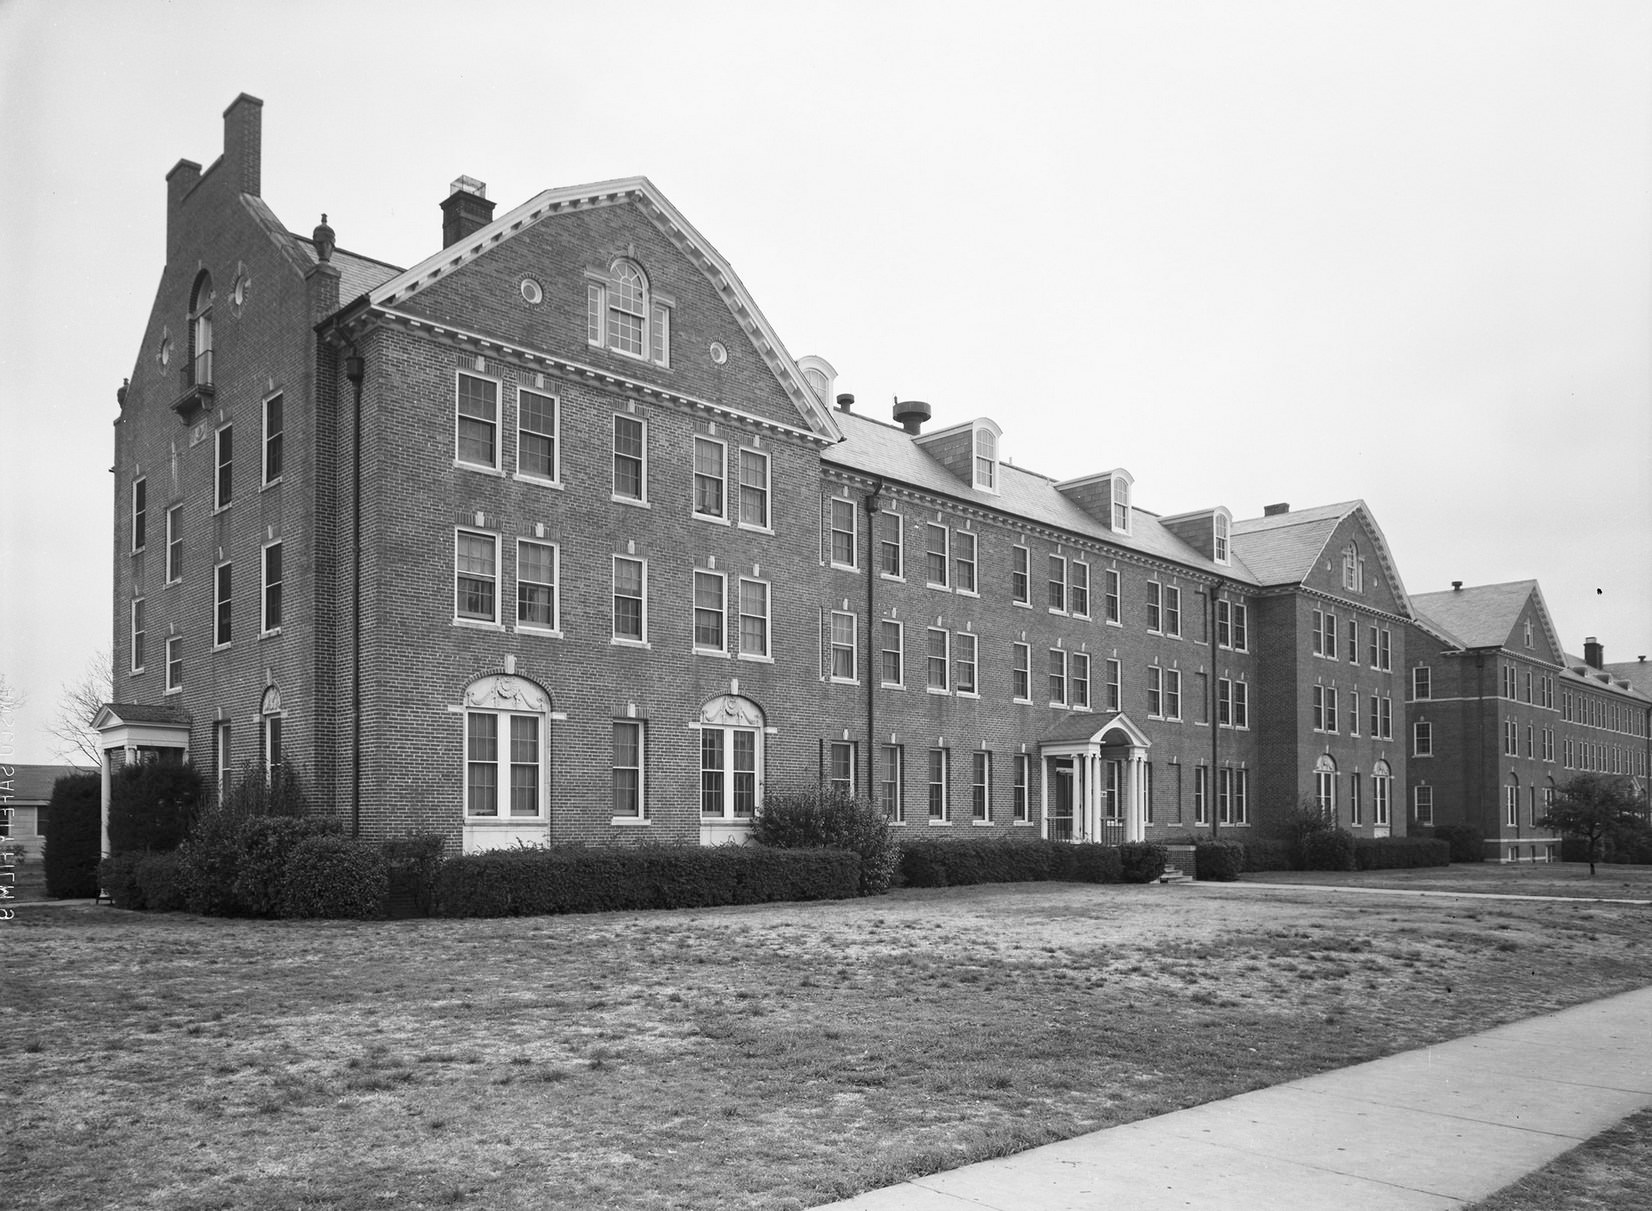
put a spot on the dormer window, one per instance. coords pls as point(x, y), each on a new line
point(820, 375)
point(986, 456)
point(625, 316)
point(1219, 524)
point(1121, 502)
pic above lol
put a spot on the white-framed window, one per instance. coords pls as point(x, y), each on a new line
point(476, 576)
point(624, 315)
point(1241, 627)
point(964, 663)
point(1078, 588)
point(271, 615)
point(1155, 692)
point(1323, 697)
point(536, 581)
point(630, 600)
point(1352, 632)
point(1058, 677)
point(1241, 705)
point(890, 798)
point(270, 721)
point(1325, 787)
point(200, 331)
point(1422, 738)
point(1224, 623)
point(538, 436)
point(1386, 718)
point(729, 772)
point(1353, 569)
point(174, 663)
point(1057, 579)
point(754, 618)
point(894, 652)
point(754, 489)
point(963, 561)
point(1319, 633)
point(980, 787)
point(1422, 804)
point(1115, 686)
point(1172, 611)
point(1021, 672)
point(1020, 576)
point(891, 545)
point(940, 762)
point(137, 634)
point(1381, 786)
point(1172, 694)
point(504, 767)
point(630, 459)
point(710, 478)
point(140, 514)
point(627, 771)
point(1385, 650)
point(843, 646)
point(1155, 606)
point(1121, 503)
point(986, 459)
point(1021, 791)
point(476, 421)
point(1201, 794)
point(843, 533)
point(223, 604)
point(1422, 687)
point(1356, 809)
point(1078, 679)
point(1220, 524)
point(938, 658)
point(1330, 636)
point(1114, 605)
point(222, 762)
point(937, 551)
point(223, 488)
point(274, 438)
point(840, 766)
point(174, 544)
point(1224, 702)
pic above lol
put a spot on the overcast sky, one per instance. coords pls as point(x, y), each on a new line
point(1252, 252)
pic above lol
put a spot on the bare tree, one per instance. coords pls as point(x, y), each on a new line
point(78, 705)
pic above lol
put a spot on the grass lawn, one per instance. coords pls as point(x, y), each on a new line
point(1612, 1172)
point(765, 1057)
point(1570, 879)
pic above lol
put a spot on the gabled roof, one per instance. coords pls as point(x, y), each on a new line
point(874, 448)
point(672, 224)
point(1285, 547)
point(138, 712)
point(1483, 616)
point(1579, 669)
point(1084, 727)
point(33, 783)
point(1637, 673)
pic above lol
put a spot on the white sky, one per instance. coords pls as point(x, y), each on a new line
point(1254, 252)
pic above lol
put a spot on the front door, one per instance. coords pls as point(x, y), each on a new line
point(1061, 798)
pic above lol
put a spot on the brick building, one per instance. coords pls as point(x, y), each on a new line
point(549, 537)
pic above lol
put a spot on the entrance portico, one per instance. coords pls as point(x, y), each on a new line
point(130, 732)
point(1094, 772)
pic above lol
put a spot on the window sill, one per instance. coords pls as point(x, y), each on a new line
point(752, 527)
point(1061, 706)
point(139, 550)
point(844, 680)
point(892, 685)
point(966, 592)
point(222, 647)
point(939, 588)
point(268, 484)
point(478, 624)
point(479, 468)
point(540, 481)
point(1023, 605)
point(842, 567)
point(710, 519)
point(269, 634)
point(933, 690)
point(755, 659)
point(1113, 622)
point(544, 632)
point(940, 824)
point(1023, 823)
point(717, 652)
point(224, 508)
point(617, 642)
point(177, 689)
point(629, 822)
point(1022, 701)
point(980, 823)
point(634, 501)
point(890, 576)
point(1056, 612)
point(137, 672)
point(172, 584)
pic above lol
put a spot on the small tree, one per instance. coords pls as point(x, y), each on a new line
point(1296, 825)
point(78, 705)
point(825, 817)
point(151, 806)
point(74, 836)
point(1594, 808)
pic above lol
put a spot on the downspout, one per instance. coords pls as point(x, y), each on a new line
point(871, 505)
point(355, 369)
point(1215, 719)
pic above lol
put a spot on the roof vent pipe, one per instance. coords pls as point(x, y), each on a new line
point(1456, 586)
point(845, 402)
point(911, 414)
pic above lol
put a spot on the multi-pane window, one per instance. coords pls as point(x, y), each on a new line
point(754, 618)
point(936, 663)
point(840, 766)
point(1115, 688)
point(627, 772)
point(980, 787)
point(1241, 704)
point(1172, 611)
point(894, 657)
point(502, 759)
point(274, 437)
point(1172, 694)
point(1422, 804)
point(890, 546)
point(1330, 636)
point(1121, 504)
point(537, 432)
point(889, 783)
point(1224, 702)
point(1078, 678)
point(1155, 691)
point(986, 460)
point(140, 514)
point(627, 313)
point(1355, 808)
point(272, 588)
point(728, 773)
point(936, 554)
point(939, 763)
point(710, 458)
point(1020, 791)
point(963, 561)
point(476, 422)
point(224, 483)
point(964, 663)
point(1021, 672)
point(223, 604)
point(1320, 695)
point(843, 646)
point(630, 458)
point(1219, 534)
point(1372, 633)
point(1201, 794)
point(174, 544)
point(842, 532)
point(1241, 638)
point(1352, 566)
point(709, 607)
point(754, 489)
point(1078, 588)
point(1020, 589)
point(1422, 739)
point(1385, 651)
point(1421, 683)
point(1352, 633)
point(1325, 787)
point(137, 633)
point(174, 663)
point(1058, 677)
point(476, 576)
point(630, 599)
point(1155, 606)
point(626, 316)
point(1380, 787)
point(536, 585)
point(1058, 584)
point(1113, 605)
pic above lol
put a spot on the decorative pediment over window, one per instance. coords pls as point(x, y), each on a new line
point(271, 704)
point(506, 692)
point(730, 710)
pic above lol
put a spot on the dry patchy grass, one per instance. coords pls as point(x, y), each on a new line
point(765, 1057)
point(1611, 1172)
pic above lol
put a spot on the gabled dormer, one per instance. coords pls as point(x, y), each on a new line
point(821, 376)
point(1207, 531)
point(1105, 497)
point(969, 451)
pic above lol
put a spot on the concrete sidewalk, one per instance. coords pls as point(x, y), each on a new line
point(1432, 1128)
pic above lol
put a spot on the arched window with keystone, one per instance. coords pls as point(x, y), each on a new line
point(625, 315)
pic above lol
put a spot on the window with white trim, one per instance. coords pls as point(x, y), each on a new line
point(1057, 600)
point(710, 476)
point(938, 658)
point(754, 618)
point(1422, 687)
point(1078, 679)
point(894, 654)
point(1356, 812)
point(476, 421)
point(1020, 576)
point(843, 532)
point(536, 581)
point(1224, 702)
point(754, 489)
point(940, 760)
point(1325, 787)
point(891, 545)
point(1381, 785)
point(1115, 685)
point(1021, 791)
point(504, 771)
point(964, 663)
point(274, 438)
point(728, 772)
point(1155, 692)
point(223, 604)
point(630, 458)
point(140, 514)
point(224, 459)
point(1241, 797)
point(626, 771)
point(1155, 606)
point(538, 436)
point(630, 600)
point(937, 549)
point(1021, 672)
point(1241, 636)
point(1201, 794)
point(476, 576)
point(986, 459)
point(1353, 640)
point(221, 758)
point(840, 766)
point(709, 611)
point(890, 798)
point(1172, 611)
point(1172, 694)
point(963, 561)
point(1422, 738)
point(271, 617)
point(625, 316)
point(1353, 569)
point(174, 544)
point(270, 721)
point(1422, 804)
point(980, 787)
point(1241, 705)
point(1078, 588)
point(1219, 527)
point(1385, 650)
point(137, 634)
point(1121, 504)
point(843, 646)
point(200, 331)
point(1058, 677)
point(1113, 603)
point(174, 663)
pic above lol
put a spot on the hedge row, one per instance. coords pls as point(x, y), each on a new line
point(1218, 861)
point(1466, 842)
point(74, 837)
point(530, 882)
point(957, 863)
point(1395, 853)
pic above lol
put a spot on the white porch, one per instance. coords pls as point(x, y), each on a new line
point(130, 732)
point(1094, 779)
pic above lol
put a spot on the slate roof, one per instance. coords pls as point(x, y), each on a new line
point(1282, 549)
point(141, 712)
point(357, 274)
point(32, 784)
point(875, 448)
point(1480, 616)
point(1637, 673)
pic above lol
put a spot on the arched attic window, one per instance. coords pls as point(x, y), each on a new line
point(821, 377)
point(1122, 482)
point(200, 331)
point(1353, 569)
point(985, 456)
point(1220, 524)
point(624, 315)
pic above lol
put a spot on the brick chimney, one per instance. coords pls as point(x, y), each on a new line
point(1594, 655)
point(244, 144)
point(467, 210)
point(1275, 510)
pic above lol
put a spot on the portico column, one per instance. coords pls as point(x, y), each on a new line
point(1044, 796)
point(1135, 824)
point(103, 771)
point(1092, 798)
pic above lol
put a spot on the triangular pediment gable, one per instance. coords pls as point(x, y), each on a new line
point(399, 294)
point(1357, 536)
point(1545, 640)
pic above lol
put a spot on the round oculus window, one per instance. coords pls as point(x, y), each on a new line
point(718, 353)
point(531, 291)
point(164, 353)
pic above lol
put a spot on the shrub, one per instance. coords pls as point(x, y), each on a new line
point(233, 863)
point(1218, 861)
point(825, 818)
point(1142, 861)
point(1395, 853)
point(74, 836)
point(959, 863)
point(1328, 849)
point(266, 844)
point(118, 875)
point(327, 875)
point(1295, 826)
point(413, 863)
point(151, 806)
point(528, 881)
point(255, 792)
point(159, 882)
point(1269, 854)
point(1466, 842)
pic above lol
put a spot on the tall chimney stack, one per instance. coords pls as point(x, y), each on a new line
point(467, 210)
point(244, 143)
point(1594, 655)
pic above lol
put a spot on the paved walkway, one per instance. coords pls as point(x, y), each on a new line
point(1430, 1129)
point(1356, 889)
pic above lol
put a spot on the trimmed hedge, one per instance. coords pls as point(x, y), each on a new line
point(151, 807)
point(960, 863)
point(413, 863)
point(1466, 842)
point(1218, 861)
point(1264, 854)
point(74, 837)
point(1395, 853)
point(118, 875)
point(231, 864)
point(1141, 861)
point(334, 876)
point(1328, 849)
point(160, 882)
point(532, 881)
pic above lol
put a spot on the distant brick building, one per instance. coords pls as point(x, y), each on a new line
point(548, 537)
